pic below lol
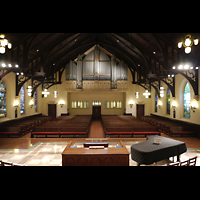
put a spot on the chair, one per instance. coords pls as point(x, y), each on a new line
point(184, 163)
point(7, 163)
point(174, 164)
point(17, 165)
point(192, 161)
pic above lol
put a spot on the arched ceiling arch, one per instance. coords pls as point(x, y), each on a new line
point(152, 53)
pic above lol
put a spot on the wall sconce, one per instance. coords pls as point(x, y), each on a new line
point(16, 104)
point(131, 103)
point(193, 106)
point(31, 103)
point(61, 103)
point(174, 105)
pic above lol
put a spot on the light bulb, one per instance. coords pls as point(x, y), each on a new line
point(187, 50)
point(188, 42)
point(196, 41)
point(2, 49)
point(179, 44)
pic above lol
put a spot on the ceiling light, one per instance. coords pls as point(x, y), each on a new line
point(154, 52)
point(29, 90)
point(9, 65)
point(173, 67)
point(180, 67)
point(45, 92)
point(146, 93)
point(37, 50)
point(3, 65)
point(186, 67)
point(3, 43)
point(117, 40)
point(16, 66)
point(188, 42)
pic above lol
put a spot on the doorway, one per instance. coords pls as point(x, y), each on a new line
point(96, 112)
point(140, 110)
point(52, 110)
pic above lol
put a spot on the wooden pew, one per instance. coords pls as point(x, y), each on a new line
point(12, 131)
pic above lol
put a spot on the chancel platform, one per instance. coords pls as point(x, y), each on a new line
point(95, 154)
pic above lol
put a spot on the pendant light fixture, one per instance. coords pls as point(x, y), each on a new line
point(187, 43)
point(3, 43)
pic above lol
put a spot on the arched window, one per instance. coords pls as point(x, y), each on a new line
point(2, 99)
point(186, 98)
point(35, 98)
point(168, 100)
point(156, 101)
point(22, 100)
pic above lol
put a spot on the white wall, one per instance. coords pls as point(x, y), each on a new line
point(124, 95)
point(180, 82)
point(130, 96)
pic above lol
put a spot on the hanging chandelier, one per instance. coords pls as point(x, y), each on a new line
point(188, 42)
point(3, 43)
point(45, 93)
point(30, 90)
point(146, 94)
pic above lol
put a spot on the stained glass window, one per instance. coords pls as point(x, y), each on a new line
point(186, 97)
point(22, 100)
point(168, 101)
point(156, 101)
point(35, 98)
point(2, 99)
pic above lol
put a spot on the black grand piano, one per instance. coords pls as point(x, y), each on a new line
point(149, 152)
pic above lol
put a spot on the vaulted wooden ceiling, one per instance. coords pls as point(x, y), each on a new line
point(148, 54)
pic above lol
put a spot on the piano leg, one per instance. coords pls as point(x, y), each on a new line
point(138, 164)
point(178, 158)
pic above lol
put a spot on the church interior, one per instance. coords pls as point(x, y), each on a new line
point(99, 99)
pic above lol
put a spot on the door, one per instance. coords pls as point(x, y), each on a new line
point(52, 110)
point(140, 110)
point(96, 112)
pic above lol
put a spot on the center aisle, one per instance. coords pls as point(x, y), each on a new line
point(96, 129)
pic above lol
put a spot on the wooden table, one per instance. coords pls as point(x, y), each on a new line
point(84, 156)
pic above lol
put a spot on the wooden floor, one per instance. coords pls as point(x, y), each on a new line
point(96, 131)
